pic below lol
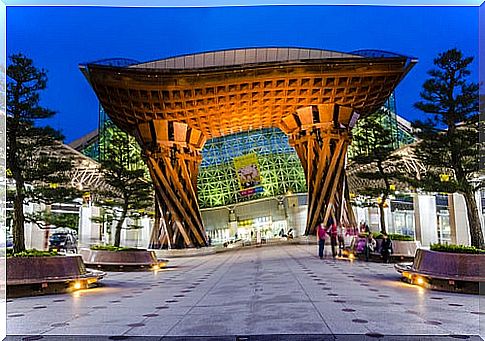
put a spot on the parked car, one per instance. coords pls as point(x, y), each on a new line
point(63, 242)
point(9, 240)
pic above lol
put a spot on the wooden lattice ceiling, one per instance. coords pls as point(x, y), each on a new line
point(227, 97)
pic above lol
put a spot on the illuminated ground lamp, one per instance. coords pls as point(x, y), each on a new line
point(85, 283)
point(414, 279)
point(419, 281)
point(77, 285)
point(159, 266)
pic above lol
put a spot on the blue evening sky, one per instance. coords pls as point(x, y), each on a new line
point(59, 38)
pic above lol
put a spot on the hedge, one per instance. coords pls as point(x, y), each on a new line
point(112, 248)
point(393, 236)
point(32, 253)
point(456, 248)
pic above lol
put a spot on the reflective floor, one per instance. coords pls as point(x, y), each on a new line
point(258, 291)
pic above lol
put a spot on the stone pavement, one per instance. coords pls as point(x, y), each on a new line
point(254, 294)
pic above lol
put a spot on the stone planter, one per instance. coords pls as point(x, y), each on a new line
point(122, 260)
point(402, 248)
point(40, 275)
point(462, 266)
point(457, 272)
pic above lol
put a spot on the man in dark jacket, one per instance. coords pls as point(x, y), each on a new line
point(386, 248)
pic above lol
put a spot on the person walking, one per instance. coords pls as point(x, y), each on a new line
point(386, 247)
point(321, 236)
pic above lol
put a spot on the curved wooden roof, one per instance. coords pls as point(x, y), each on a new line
point(225, 92)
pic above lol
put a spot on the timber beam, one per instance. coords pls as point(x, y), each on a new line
point(172, 150)
point(321, 135)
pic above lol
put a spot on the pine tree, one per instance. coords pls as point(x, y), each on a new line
point(372, 148)
point(38, 175)
point(448, 140)
point(130, 192)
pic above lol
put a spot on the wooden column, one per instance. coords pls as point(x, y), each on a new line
point(172, 150)
point(321, 135)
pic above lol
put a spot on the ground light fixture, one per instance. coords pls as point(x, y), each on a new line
point(84, 283)
point(414, 279)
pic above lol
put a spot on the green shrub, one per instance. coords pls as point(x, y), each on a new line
point(456, 248)
point(112, 248)
point(393, 236)
point(32, 253)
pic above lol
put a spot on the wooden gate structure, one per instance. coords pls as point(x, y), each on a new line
point(173, 105)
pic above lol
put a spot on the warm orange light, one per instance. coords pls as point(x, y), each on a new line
point(419, 281)
point(351, 256)
point(77, 285)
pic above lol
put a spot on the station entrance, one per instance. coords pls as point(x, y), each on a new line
point(174, 106)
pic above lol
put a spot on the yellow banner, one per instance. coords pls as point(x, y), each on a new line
point(247, 169)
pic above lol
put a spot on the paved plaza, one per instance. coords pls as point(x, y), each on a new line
point(250, 292)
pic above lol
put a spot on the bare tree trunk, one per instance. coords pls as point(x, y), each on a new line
point(19, 218)
point(476, 233)
point(18, 205)
point(381, 216)
point(119, 225)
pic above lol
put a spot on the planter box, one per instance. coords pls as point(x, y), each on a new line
point(401, 248)
point(447, 265)
point(27, 270)
point(30, 276)
point(120, 259)
point(445, 271)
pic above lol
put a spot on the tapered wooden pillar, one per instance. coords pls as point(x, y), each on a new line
point(321, 135)
point(172, 150)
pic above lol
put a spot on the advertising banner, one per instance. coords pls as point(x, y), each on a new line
point(247, 169)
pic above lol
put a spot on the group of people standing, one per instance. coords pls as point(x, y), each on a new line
point(336, 237)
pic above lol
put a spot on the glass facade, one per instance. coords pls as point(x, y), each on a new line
point(280, 168)
point(443, 219)
point(402, 210)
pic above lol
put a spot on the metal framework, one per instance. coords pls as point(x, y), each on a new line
point(86, 174)
point(172, 106)
point(408, 165)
